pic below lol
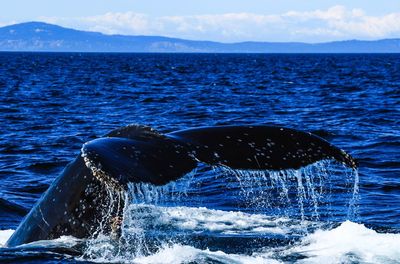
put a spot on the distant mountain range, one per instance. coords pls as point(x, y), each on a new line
point(38, 36)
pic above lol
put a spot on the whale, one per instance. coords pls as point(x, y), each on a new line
point(78, 201)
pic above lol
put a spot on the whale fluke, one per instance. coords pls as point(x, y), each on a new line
point(260, 147)
point(140, 154)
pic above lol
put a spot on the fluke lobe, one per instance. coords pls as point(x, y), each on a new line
point(77, 202)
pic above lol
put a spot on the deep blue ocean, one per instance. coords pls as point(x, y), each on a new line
point(51, 103)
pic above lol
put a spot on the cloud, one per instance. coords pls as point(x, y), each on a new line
point(109, 23)
point(8, 23)
point(334, 23)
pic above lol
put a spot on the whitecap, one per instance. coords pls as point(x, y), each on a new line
point(349, 242)
point(5, 235)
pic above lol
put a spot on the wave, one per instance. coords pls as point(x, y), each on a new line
point(348, 242)
point(187, 254)
point(306, 241)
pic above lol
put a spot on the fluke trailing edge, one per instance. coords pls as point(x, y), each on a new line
point(76, 202)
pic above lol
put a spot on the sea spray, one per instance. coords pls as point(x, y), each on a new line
point(299, 193)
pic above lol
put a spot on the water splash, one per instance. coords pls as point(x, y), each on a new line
point(286, 203)
point(132, 241)
point(102, 244)
point(299, 192)
point(354, 201)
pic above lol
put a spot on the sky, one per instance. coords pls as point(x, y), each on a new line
point(218, 20)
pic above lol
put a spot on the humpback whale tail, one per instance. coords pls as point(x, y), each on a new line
point(140, 154)
point(76, 200)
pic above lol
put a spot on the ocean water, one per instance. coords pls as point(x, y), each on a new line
point(51, 103)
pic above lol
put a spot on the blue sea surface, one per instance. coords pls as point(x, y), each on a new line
point(51, 103)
